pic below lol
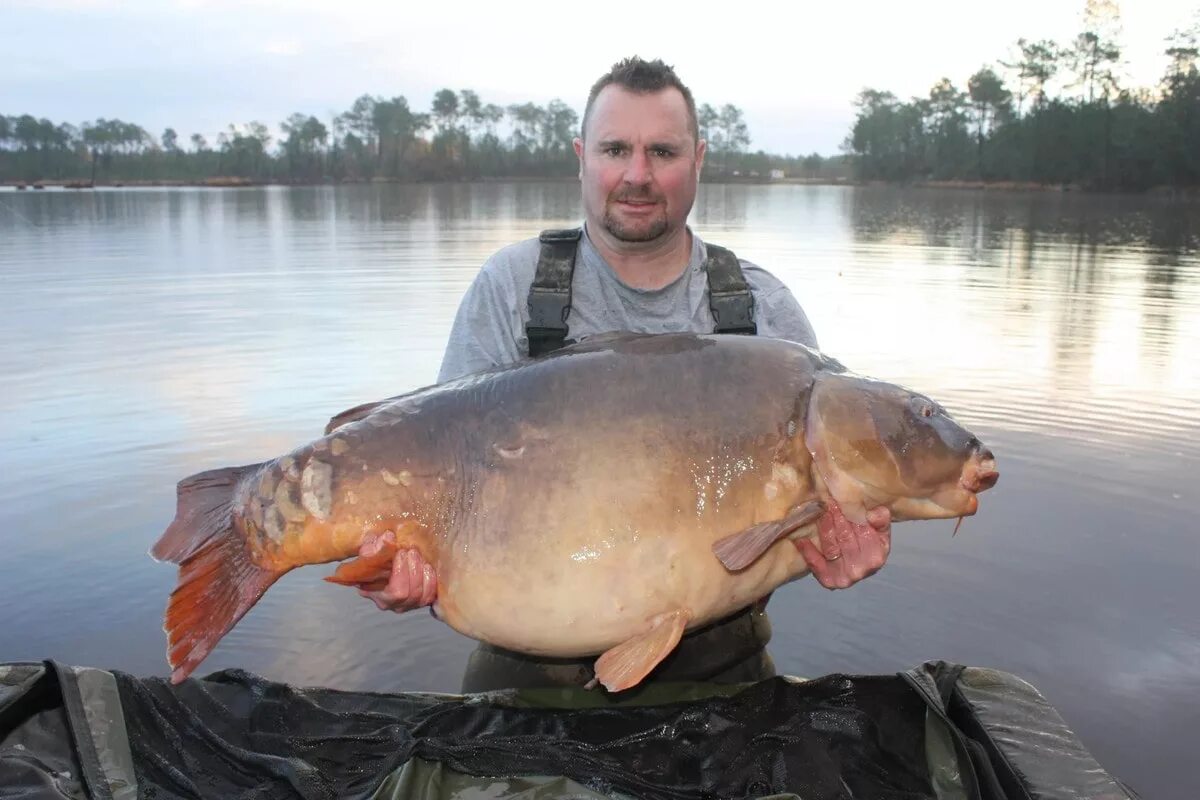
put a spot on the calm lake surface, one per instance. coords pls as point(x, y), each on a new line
point(151, 334)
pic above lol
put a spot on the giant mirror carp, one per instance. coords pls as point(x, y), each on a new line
point(601, 500)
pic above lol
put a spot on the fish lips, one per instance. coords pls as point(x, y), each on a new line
point(962, 500)
point(980, 473)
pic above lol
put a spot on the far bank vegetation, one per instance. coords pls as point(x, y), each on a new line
point(1048, 114)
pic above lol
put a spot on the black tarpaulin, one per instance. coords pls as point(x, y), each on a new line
point(71, 732)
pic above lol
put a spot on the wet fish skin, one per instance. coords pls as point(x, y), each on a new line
point(571, 505)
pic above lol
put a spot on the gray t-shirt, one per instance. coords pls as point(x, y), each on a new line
point(489, 329)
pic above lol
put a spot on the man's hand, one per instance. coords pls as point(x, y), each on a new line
point(849, 551)
point(410, 583)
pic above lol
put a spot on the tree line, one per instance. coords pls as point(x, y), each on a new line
point(458, 138)
point(1052, 113)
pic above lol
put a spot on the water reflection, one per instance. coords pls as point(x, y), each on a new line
point(954, 218)
point(1080, 293)
point(149, 334)
point(720, 206)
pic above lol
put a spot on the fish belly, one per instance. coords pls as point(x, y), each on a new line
point(586, 601)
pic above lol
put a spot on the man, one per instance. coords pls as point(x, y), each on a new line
point(635, 266)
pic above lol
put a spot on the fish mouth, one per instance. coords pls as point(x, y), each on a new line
point(980, 472)
point(979, 475)
point(959, 499)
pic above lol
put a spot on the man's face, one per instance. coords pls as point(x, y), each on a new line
point(639, 164)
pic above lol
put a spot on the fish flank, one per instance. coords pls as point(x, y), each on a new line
point(316, 488)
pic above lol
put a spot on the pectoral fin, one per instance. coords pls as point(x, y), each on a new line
point(743, 548)
point(629, 662)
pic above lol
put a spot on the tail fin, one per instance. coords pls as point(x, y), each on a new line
point(218, 580)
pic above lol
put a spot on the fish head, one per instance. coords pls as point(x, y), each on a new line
point(878, 444)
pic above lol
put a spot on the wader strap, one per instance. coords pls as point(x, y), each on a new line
point(550, 294)
point(728, 293)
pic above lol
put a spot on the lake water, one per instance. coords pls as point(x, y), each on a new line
point(151, 334)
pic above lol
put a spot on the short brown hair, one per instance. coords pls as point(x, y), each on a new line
point(642, 77)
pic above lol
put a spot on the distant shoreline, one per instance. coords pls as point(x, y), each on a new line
point(229, 182)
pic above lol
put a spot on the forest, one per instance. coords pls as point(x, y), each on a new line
point(458, 138)
point(1049, 113)
point(1052, 113)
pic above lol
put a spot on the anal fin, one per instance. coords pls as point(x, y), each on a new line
point(743, 548)
point(374, 563)
point(363, 569)
point(625, 665)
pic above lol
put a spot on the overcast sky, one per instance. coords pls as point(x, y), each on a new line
point(199, 65)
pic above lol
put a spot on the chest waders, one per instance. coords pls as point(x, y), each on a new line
point(729, 296)
point(732, 650)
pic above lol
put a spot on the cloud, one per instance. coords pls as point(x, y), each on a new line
point(265, 59)
point(282, 48)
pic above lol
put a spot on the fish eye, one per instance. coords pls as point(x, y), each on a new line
point(924, 407)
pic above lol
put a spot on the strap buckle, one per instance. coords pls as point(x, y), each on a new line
point(548, 308)
point(733, 312)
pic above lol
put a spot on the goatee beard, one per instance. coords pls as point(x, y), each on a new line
point(624, 233)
